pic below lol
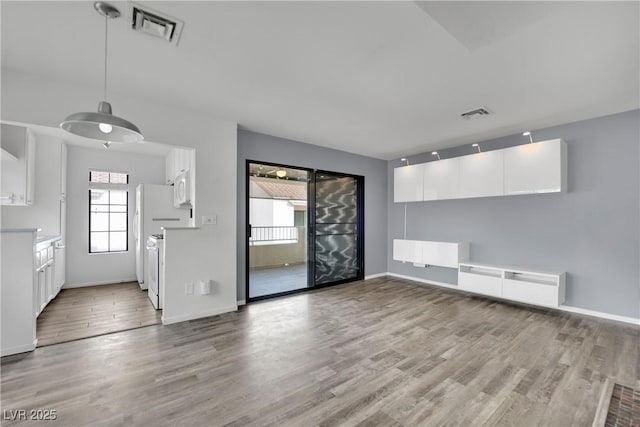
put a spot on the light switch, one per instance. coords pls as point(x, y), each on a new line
point(209, 219)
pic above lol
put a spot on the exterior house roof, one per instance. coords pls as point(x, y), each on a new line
point(283, 189)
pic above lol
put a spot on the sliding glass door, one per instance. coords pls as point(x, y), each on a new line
point(338, 248)
point(304, 229)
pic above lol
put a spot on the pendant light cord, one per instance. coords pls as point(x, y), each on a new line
point(105, 55)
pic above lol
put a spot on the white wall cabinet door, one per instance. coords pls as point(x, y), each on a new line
point(169, 168)
point(482, 175)
point(407, 250)
point(408, 183)
point(18, 166)
point(535, 168)
point(60, 269)
point(441, 179)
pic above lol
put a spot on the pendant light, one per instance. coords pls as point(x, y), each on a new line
point(103, 125)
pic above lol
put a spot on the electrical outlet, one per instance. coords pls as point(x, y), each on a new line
point(188, 289)
point(209, 219)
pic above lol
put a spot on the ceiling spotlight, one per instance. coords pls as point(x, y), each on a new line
point(404, 159)
point(477, 146)
point(527, 133)
point(107, 144)
point(435, 153)
point(281, 173)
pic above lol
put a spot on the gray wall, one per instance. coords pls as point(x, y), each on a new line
point(84, 268)
point(259, 147)
point(592, 232)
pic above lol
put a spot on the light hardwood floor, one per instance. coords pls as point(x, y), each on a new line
point(95, 310)
point(381, 352)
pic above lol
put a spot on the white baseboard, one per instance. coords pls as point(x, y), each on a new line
point(109, 282)
point(192, 316)
point(567, 308)
point(18, 349)
point(374, 276)
point(600, 314)
point(241, 302)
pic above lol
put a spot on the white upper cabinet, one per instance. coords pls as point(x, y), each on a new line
point(408, 183)
point(535, 168)
point(481, 174)
point(441, 179)
point(18, 166)
point(177, 161)
point(539, 167)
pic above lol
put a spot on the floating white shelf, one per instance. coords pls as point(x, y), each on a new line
point(535, 287)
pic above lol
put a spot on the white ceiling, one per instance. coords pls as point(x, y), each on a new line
point(377, 78)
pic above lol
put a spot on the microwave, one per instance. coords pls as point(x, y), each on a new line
point(182, 190)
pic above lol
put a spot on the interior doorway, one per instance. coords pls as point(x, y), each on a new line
point(305, 229)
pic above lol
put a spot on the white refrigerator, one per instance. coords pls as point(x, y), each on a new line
point(154, 210)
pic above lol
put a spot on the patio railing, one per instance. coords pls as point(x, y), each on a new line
point(274, 234)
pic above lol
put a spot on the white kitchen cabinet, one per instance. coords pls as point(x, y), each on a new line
point(59, 259)
point(535, 168)
point(18, 163)
point(441, 179)
point(45, 287)
point(408, 183)
point(481, 174)
point(178, 161)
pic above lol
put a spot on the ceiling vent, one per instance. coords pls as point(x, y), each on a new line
point(474, 114)
point(155, 24)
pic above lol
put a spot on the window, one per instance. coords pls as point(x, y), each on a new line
point(108, 214)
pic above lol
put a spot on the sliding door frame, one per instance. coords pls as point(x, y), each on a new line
point(310, 181)
point(360, 227)
point(311, 253)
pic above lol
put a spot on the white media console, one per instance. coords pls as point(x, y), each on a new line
point(541, 288)
point(528, 286)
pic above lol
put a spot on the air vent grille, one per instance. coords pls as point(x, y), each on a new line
point(155, 24)
point(474, 114)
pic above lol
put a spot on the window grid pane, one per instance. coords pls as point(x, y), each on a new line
point(102, 177)
point(108, 228)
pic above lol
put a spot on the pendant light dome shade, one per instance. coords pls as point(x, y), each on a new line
point(102, 125)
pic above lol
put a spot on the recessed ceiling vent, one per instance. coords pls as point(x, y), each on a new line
point(474, 114)
point(155, 24)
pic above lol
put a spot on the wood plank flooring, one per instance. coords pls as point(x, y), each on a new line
point(95, 310)
point(384, 352)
